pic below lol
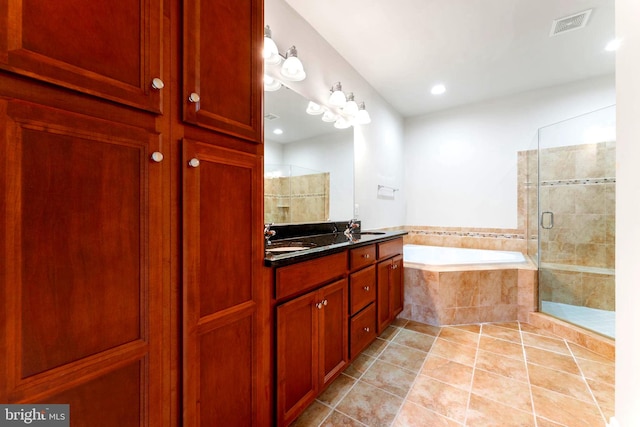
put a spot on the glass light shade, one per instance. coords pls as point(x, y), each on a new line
point(337, 97)
point(329, 117)
point(292, 68)
point(350, 108)
point(269, 49)
point(314, 109)
point(271, 84)
point(342, 123)
point(363, 118)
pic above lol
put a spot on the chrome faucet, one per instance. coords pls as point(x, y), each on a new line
point(351, 226)
point(268, 232)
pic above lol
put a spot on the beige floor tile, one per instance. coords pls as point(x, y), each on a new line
point(376, 347)
point(389, 333)
point(359, 365)
point(505, 366)
point(404, 357)
point(565, 410)
point(475, 328)
point(501, 332)
point(560, 382)
point(510, 392)
point(501, 347)
point(459, 336)
point(488, 413)
point(547, 343)
point(370, 405)
point(312, 416)
point(412, 415)
point(584, 353)
point(337, 390)
point(422, 328)
point(605, 397)
point(448, 371)
point(337, 419)
point(453, 351)
point(552, 360)
point(422, 342)
point(602, 372)
point(543, 422)
point(439, 397)
point(389, 378)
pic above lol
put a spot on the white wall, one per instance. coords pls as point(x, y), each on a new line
point(461, 164)
point(378, 145)
point(628, 215)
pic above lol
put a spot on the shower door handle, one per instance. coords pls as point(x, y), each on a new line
point(550, 223)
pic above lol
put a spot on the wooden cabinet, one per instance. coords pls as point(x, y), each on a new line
point(390, 292)
point(108, 49)
point(312, 348)
point(131, 240)
point(222, 56)
point(362, 293)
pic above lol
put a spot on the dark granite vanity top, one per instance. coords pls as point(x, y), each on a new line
point(302, 242)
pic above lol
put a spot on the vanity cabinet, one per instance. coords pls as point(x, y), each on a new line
point(362, 293)
point(311, 332)
point(131, 243)
point(390, 292)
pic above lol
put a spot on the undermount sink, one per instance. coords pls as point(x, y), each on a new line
point(279, 247)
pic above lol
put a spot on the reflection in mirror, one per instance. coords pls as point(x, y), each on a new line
point(309, 166)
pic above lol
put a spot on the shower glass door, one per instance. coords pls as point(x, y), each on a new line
point(576, 220)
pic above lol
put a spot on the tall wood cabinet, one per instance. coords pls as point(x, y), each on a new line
point(131, 211)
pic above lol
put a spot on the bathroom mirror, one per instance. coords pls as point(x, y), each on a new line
point(309, 166)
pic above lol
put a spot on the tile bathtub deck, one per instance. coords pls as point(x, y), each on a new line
point(491, 374)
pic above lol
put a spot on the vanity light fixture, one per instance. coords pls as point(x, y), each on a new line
point(292, 68)
point(342, 123)
point(329, 116)
point(337, 97)
point(314, 109)
point(271, 84)
point(270, 50)
point(350, 108)
point(363, 117)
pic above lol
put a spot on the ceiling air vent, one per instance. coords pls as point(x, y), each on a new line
point(570, 23)
point(271, 116)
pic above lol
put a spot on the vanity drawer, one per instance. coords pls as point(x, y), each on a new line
point(362, 288)
point(361, 257)
point(363, 330)
point(307, 275)
point(389, 248)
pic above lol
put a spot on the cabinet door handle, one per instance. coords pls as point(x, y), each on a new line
point(325, 302)
point(366, 256)
point(194, 97)
point(157, 156)
point(366, 329)
point(194, 163)
point(157, 83)
point(319, 306)
point(366, 288)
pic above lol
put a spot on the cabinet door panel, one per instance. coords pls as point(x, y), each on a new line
point(222, 57)
point(333, 332)
point(297, 355)
point(108, 49)
point(397, 286)
point(222, 298)
point(80, 199)
point(383, 302)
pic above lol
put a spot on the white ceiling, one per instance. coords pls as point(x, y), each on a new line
point(480, 49)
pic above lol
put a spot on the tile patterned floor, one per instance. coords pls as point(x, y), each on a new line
point(498, 374)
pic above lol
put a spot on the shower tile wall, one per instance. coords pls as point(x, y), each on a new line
point(577, 184)
point(297, 199)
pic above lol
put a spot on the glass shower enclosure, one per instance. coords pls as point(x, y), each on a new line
point(576, 220)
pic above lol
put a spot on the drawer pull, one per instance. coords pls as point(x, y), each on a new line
point(366, 288)
point(325, 302)
point(319, 305)
point(366, 256)
point(366, 329)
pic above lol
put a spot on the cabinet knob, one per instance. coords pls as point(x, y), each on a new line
point(319, 305)
point(157, 156)
point(366, 288)
point(194, 97)
point(366, 329)
point(325, 302)
point(194, 163)
point(366, 256)
point(157, 83)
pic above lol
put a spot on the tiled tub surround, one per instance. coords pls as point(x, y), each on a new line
point(452, 295)
point(501, 374)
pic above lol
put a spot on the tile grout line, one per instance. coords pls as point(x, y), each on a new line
point(473, 374)
point(526, 367)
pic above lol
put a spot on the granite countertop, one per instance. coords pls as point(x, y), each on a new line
point(322, 244)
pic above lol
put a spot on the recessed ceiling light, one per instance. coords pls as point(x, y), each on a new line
point(438, 89)
point(278, 131)
point(613, 45)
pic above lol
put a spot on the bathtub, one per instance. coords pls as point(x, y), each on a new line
point(452, 286)
point(445, 256)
